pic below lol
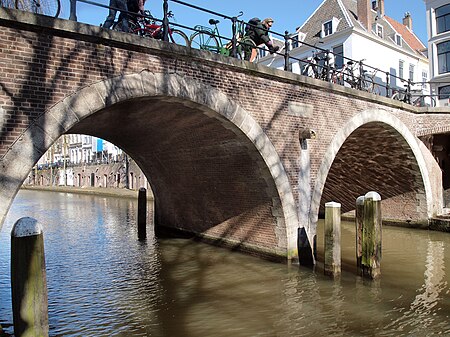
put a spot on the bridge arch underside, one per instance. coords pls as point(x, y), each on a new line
point(206, 175)
point(375, 157)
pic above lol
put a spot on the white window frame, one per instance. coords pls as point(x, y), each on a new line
point(378, 26)
point(398, 39)
point(401, 69)
point(334, 22)
point(324, 32)
point(411, 71)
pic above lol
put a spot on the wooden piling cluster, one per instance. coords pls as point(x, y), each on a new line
point(368, 236)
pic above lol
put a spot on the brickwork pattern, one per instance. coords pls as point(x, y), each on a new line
point(207, 176)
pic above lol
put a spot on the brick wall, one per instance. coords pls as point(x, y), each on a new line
point(207, 175)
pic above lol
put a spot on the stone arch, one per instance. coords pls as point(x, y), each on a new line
point(60, 118)
point(423, 157)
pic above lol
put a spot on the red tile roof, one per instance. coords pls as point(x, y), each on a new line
point(410, 38)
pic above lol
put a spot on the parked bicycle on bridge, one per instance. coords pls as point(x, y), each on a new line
point(146, 26)
point(206, 38)
point(413, 97)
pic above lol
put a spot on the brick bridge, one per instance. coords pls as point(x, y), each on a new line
point(217, 138)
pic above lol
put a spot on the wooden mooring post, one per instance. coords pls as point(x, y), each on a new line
point(371, 236)
point(142, 214)
point(359, 218)
point(28, 279)
point(332, 230)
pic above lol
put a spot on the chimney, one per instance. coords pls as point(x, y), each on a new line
point(364, 12)
point(380, 9)
point(407, 21)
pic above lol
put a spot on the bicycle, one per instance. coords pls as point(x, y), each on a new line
point(44, 7)
point(206, 38)
point(407, 95)
point(368, 82)
point(146, 26)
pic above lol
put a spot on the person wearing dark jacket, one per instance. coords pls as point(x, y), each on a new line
point(258, 33)
point(120, 5)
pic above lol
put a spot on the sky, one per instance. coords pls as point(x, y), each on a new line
point(288, 14)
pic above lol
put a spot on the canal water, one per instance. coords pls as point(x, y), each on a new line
point(103, 282)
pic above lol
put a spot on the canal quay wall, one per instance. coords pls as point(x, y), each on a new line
point(107, 176)
point(109, 180)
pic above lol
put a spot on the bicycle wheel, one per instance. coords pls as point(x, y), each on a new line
point(432, 102)
point(204, 40)
point(396, 96)
point(133, 27)
point(44, 7)
point(178, 37)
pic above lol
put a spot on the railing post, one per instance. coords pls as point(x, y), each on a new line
point(361, 74)
point(234, 37)
point(166, 20)
point(286, 51)
point(388, 79)
point(408, 92)
point(327, 65)
point(73, 10)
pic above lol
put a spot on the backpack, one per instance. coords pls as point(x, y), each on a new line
point(252, 23)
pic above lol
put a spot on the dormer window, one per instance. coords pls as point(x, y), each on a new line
point(329, 27)
point(297, 39)
point(398, 39)
point(379, 30)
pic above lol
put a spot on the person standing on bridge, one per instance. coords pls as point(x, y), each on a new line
point(257, 33)
point(115, 5)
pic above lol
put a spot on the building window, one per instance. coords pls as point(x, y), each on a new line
point(411, 72)
point(443, 51)
point(443, 19)
point(444, 92)
point(338, 52)
point(294, 41)
point(398, 40)
point(424, 79)
point(400, 68)
point(262, 52)
point(327, 28)
point(379, 30)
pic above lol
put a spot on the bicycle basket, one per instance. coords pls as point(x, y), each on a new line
point(200, 28)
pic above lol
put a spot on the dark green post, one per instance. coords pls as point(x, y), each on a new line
point(332, 265)
point(142, 214)
point(359, 217)
point(28, 279)
point(371, 238)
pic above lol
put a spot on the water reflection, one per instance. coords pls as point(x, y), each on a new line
point(104, 282)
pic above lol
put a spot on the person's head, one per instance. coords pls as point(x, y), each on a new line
point(268, 22)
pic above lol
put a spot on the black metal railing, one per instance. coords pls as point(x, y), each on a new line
point(354, 73)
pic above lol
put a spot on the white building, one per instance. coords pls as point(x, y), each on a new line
point(438, 21)
point(80, 149)
point(361, 30)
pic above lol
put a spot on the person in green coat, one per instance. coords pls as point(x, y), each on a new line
point(257, 33)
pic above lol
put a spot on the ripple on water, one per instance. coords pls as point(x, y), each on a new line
point(104, 282)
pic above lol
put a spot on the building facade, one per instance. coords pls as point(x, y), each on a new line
point(86, 161)
point(438, 21)
point(360, 30)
